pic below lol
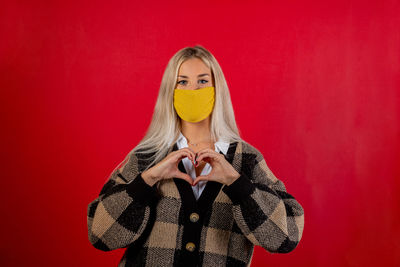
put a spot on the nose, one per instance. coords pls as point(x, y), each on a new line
point(193, 86)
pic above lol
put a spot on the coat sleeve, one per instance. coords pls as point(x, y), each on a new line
point(263, 210)
point(123, 210)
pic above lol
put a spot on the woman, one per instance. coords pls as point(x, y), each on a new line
point(192, 192)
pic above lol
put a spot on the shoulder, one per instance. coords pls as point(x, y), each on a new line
point(135, 161)
point(257, 164)
point(250, 156)
point(249, 150)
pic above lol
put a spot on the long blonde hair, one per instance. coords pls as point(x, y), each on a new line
point(165, 124)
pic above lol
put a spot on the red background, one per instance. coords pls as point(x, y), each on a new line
point(315, 87)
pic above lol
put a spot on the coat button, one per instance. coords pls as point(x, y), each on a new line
point(194, 217)
point(190, 246)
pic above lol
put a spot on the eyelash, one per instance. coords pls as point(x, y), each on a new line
point(185, 81)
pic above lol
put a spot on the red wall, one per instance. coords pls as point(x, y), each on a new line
point(315, 87)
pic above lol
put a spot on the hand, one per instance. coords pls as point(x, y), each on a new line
point(168, 167)
point(222, 171)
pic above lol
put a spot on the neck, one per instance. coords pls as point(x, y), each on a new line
point(196, 131)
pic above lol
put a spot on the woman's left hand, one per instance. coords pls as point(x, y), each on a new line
point(222, 171)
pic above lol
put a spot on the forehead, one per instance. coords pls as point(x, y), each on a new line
point(193, 65)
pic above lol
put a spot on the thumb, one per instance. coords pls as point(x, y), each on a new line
point(184, 176)
point(201, 178)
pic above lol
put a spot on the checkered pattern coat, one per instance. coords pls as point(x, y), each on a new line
point(154, 223)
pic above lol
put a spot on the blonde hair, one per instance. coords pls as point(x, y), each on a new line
point(165, 124)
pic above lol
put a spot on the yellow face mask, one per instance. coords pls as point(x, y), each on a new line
point(194, 105)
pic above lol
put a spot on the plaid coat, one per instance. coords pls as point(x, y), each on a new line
point(164, 225)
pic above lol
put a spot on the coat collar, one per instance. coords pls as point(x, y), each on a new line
point(219, 146)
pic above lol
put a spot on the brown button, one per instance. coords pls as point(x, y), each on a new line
point(194, 217)
point(190, 246)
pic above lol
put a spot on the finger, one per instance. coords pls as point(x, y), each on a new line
point(201, 178)
point(211, 155)
point(191, 154)
point(189, 150)
point(204, 150)
point(182, 154)
point(184, 176)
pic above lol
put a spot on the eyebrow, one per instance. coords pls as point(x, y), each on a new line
point(200, 75)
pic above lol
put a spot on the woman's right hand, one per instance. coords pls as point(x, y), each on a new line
point(168, 167)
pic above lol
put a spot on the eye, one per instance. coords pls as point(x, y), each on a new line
point(203, 81)
point(181, 82)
